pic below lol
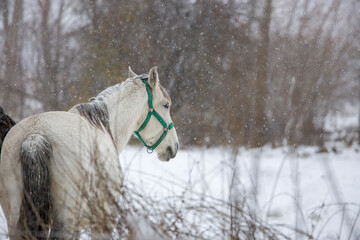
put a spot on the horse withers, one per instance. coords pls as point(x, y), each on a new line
point(60, 171)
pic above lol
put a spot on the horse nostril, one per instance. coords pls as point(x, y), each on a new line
point(171, 152)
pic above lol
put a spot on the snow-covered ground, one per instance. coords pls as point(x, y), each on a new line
point(318, 193)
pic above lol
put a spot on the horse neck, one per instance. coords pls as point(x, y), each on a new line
point(126, 109)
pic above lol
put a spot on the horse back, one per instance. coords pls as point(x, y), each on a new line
point(73, 139)
point(58, 127)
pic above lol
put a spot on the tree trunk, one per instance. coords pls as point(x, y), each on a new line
point(260, 91)
point(12, 48)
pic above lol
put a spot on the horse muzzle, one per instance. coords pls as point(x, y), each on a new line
point(169, 153)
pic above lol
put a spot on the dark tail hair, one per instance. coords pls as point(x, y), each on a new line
point(5, 124)
point(35, 211)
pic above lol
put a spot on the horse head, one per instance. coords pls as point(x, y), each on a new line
point(157, 131)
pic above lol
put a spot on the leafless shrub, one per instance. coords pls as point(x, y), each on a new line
point(189, 215)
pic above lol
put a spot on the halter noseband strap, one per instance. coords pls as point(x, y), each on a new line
point(152, 111)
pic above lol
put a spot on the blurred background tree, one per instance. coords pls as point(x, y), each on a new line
point(244, 73)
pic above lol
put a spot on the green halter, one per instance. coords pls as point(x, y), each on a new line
point(147, 119)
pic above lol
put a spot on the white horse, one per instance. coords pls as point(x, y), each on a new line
point(60, 171)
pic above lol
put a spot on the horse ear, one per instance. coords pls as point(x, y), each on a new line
point(153, 77)
point(131, 73)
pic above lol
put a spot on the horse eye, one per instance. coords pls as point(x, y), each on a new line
point(166, 106)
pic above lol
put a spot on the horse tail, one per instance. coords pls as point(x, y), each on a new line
point(35, 211)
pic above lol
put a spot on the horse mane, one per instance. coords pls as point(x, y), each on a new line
point(96, 112)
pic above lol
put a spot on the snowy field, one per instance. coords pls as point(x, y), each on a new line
point(317, 193)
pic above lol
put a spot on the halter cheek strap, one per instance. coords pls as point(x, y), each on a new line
point(151, 112)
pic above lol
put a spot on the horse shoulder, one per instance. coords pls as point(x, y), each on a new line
point(100, 134)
